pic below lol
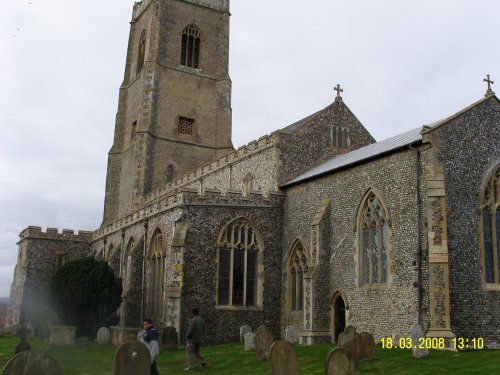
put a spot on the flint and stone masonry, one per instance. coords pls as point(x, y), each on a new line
point(179, 198)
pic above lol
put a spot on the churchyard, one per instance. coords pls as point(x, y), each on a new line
point(88, 358)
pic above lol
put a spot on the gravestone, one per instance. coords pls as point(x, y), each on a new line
point(366, 346)
point(416, 334)
point(132, 358)
point(292, 335)
point(169, 339)
point(249, 342)
point(262, 340)
point(243, 331)
point(139, 334)
point(349, 340)
point(32, 363)
point(338, 363)
point(62, 335)
point(103, 336)
point(283, 359)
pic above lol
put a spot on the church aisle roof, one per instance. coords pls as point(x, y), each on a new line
point(361, 154)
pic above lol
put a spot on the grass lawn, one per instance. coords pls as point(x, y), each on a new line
point(91, 359)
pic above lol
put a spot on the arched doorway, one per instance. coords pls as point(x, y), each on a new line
point(338, 316)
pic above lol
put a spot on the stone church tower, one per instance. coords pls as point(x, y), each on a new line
point(174, 110)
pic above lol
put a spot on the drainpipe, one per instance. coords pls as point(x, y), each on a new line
point(143, 267)
point(419, 226)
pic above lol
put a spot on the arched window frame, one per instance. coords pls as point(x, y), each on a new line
point(170, 173)
point(156, 284)
point(299, 262)
point(249, 183)
point(374, 241)
point(232, 255)
point(127, 266)
point(489, 229)
point(190, 47)
point(141, 53)
point(341, 138)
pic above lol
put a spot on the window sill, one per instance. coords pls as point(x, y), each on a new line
point(491, 287)
point(239, 308)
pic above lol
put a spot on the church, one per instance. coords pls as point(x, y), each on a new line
point(315, 225)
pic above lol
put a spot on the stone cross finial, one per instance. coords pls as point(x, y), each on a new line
point(490, 82)
point(339, 90)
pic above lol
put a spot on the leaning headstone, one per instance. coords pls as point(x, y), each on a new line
point(32, 363)
point(169, 339)
point(349, 340)
point(292, 335)
point(263, 340)
point(338, 363)
point(366, 346)
point(103, 336)
point(283, 359)
point(249, 342)
point(243, 331)
point(139, 334)
point(132, 358)
point(418, 333)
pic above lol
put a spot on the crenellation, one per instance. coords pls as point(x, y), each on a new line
point(54, 234)
point(139, 8)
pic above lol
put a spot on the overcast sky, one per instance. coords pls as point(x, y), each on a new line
point(401, 63)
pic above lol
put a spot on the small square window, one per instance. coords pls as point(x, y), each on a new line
point(185, 125)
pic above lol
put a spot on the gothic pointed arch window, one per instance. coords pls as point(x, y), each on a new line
point(249, 183)
point(190, 47)
point(127, 265)
point(374, 242)
point(298, 264)
point(340, 138)
point(141, 52)
point(240, 262)
point(156, 261)
point(490, 227)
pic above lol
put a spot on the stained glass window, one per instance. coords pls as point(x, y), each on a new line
point(374, 240)
point(156, 276)
point(490, 227)
point(238, 264)
point(298, 266)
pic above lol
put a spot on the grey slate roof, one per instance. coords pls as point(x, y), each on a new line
point(361, 154)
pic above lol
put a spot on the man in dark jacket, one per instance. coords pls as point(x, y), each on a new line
point(193, 339)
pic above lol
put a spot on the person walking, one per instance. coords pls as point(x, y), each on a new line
point(150, 338)
point(193, 338)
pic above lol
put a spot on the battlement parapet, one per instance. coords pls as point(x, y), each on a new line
point(191, 197)
point(253, 148)
point(139, 7)
point(222, 5)
point(55, 234)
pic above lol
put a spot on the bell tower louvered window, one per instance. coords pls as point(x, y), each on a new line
point(190, 47)
point(141, 53)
